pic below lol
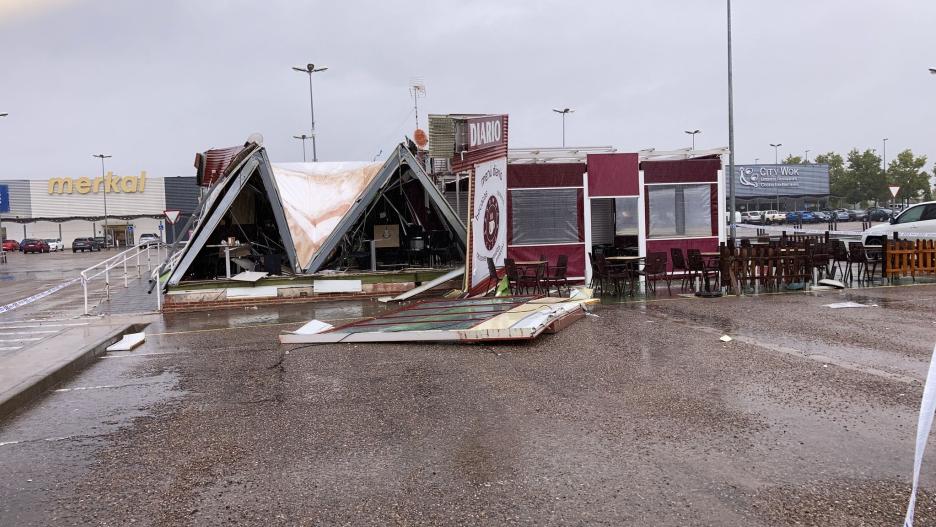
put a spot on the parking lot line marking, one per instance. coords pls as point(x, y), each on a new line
point(5, 333)
point(44, 326)
point(22, 339)
point(10, 348)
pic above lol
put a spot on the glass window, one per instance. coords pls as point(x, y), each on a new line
point(541, 216)
point(930, 213)
point(911, 214)
point(680, 210)
point(625, 216)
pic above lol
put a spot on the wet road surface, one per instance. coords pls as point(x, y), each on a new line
point(639, 416)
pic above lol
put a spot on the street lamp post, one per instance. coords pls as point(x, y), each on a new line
point(731, 148)
point(2, 237)
point(563, 112)
point(303, 137)
point(693, 134)
point(776, 162)
point(807, 157)
point(884, 159)
point(310, 69)
point(102, 157)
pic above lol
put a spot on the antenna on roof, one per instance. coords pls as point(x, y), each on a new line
point(417, 90)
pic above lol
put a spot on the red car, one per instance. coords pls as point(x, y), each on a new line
point(33, 245)
point(10, 245)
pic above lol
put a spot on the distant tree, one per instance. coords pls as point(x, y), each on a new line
point(907, 172)
point(841, 182)
point(865, 169)
point(792, 160)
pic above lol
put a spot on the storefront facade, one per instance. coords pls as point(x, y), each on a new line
point(67, 208)
point(576, 203)
point(782, 187)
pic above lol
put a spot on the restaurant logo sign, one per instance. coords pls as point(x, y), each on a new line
point(108, 183)
point(488, 218)
point(785, 180)
point(479, 133)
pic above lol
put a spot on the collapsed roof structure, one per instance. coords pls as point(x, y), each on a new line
point(310, 217)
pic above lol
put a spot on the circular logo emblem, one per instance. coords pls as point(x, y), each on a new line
point(491, 223)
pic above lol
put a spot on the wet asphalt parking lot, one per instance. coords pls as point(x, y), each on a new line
point(639, 416)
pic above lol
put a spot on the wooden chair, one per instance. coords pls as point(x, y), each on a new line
point(678, 266)
point(557, 277)
point(492, 276)
point(654, 270)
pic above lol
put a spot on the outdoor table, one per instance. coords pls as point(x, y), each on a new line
point(708, 288)
point(625, 258)
point(527, 265)
point(531, 262)
point(631, 263)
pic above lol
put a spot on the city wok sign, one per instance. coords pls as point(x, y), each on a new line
point(791, 180)
point(108, 183)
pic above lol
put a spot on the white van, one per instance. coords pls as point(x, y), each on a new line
point(917, 219)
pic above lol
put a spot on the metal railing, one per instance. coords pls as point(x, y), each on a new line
point(164, 268)
point(135, 257)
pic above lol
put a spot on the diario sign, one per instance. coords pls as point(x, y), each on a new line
point(480, 132)
point(109, 183)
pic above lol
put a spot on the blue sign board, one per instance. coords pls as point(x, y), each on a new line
point(4, 198)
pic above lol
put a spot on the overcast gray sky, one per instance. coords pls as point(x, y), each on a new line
point(153, 82)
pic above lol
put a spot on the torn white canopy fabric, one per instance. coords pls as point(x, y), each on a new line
point(924, 424)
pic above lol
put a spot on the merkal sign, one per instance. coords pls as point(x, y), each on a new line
point(786, 180)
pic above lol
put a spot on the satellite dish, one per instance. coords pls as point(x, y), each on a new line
point(256, 138)
point(420, 138)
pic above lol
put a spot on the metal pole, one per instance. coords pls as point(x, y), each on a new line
point(104, 181)
point(84, 288)
point(312, 113)
point(884, 161)
point(731, 150)
point(563, 130)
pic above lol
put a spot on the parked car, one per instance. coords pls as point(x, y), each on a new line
point(774, 216)
point(148, 239)
point(843, 215)
point(85, 244)
point(55, 244)
point(738, 218)
point(102, 243)
point(10, 245)
point(749, 216)
point(916, 220)
point(34, 245)
point(800, 216)
point(877, 214)
point(822, 215)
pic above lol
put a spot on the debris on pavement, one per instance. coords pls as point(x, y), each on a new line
point(475, 319)
point(842, 305)
point(725, 338)
point(128, 342)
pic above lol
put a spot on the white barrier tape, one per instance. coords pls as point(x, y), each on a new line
point(773, 228)
point(37, 296)
point(924, 423)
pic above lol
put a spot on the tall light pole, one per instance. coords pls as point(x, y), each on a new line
point(884, 161)
point(102, 157)
point(731, 169)
point(310, 69)
point(563, 112)
point(693, 133)
point(2, 236)
point(776, 162)
point(807, 157)
point(303, 137)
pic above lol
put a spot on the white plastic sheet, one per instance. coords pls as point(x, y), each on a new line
point(924, 424)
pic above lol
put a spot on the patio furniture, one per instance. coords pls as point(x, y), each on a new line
point(532, 275)
point(678, 265)
point(857, 254)
point(839, 257)
point(492, 275)
point(654, 270)
point(701, 269)
point(623, 271)
point(598, 273)
point(557, 276)
point(439, 246)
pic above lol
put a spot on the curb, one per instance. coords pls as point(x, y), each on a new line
point(34, 385)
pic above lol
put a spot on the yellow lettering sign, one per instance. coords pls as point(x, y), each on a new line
point(111, 184)
point(83, 185)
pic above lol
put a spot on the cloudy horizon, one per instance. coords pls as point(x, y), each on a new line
point(153, 83)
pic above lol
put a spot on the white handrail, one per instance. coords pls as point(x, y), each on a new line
point(118, 260)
